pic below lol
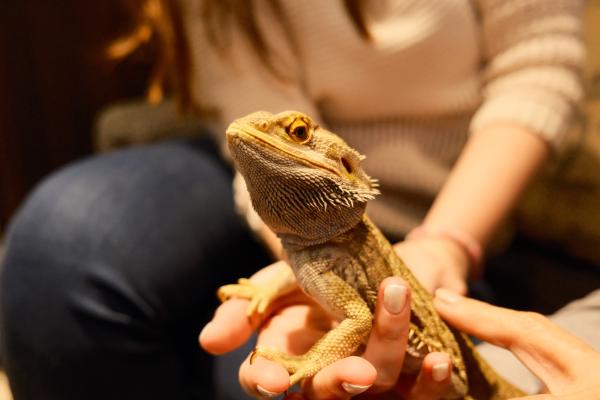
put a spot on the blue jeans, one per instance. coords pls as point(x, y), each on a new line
point(111, 270)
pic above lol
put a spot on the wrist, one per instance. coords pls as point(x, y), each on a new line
point(458, 241)
point(435, 262)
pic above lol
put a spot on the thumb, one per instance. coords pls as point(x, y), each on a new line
point(544, 348)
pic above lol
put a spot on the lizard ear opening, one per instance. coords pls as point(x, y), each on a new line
point(347, 165)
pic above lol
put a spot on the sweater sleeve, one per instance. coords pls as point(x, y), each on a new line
point(533, 56)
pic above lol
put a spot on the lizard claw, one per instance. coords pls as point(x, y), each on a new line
point(299, 367)
point(252, 356)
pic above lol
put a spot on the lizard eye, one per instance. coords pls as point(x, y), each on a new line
point(300, 132)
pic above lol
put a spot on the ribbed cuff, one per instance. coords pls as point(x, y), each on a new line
point(549, 117)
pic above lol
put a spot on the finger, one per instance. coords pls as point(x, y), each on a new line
point(341, 380)
point(263, 378)
point(434, 380)
point(454, 283)
point(292, 329)
point(428, 280)
point(545, 349)
point(387, 342)
point(289, 331)
point(229, 328)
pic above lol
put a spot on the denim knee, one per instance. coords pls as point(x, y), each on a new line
point(147, 217)
point(111, 258)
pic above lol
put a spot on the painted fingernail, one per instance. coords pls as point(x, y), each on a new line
point(447, 296)
point(439, 372)
point(266, 393)
point(354, 389)
point(394, 298)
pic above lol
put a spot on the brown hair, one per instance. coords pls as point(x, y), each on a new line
point(161, 21)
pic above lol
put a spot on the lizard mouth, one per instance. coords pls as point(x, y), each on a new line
point(257, 138)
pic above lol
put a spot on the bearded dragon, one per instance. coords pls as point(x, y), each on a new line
point(308, 186)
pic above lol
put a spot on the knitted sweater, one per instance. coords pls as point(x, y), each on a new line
point(432, 73)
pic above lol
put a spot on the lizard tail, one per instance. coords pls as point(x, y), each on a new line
point(484, 381)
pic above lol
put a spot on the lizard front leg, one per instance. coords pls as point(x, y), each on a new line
point(261, 292)
point(333, 293)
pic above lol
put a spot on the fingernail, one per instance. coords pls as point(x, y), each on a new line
point(439, 372)
point(354, 389)
point(447, 296)
point(265, 392)
point(394, 298)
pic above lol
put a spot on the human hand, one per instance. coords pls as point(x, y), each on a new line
point(436, 261)
point(567, 366)
point(295, 322)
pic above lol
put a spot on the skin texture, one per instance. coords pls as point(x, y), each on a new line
point(308, 187)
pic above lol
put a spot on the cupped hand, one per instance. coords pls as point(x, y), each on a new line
point(437, 262)
point(294, 323)
point(568, 367)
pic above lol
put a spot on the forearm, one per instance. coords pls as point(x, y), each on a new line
point(487, 180)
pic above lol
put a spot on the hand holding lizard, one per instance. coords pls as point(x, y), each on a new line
point(297, 317)
point(542, 346)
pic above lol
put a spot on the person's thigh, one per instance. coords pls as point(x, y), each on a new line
point(111, 270)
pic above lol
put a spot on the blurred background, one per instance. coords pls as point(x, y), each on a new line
point(54, 77)
point(55, 82)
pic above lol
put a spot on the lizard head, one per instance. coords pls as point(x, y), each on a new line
point(304, 181)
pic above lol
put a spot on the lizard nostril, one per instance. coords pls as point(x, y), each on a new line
point(347, 165)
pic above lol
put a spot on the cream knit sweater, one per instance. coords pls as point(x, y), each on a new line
point(435, 71)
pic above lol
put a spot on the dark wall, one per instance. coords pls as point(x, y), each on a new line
point(53, 80)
